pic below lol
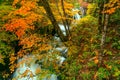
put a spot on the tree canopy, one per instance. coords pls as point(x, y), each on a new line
point(28, 27)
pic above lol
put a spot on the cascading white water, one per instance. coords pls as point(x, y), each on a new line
point(28, 62)
point(28, 67)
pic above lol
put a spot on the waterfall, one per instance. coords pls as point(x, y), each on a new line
point(83, 11)
point(28, 67)
point(28, 62)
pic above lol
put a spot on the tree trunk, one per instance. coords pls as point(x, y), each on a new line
point(100, 18)
point(103, 24)
point(48, 10)
point(66, 24)
point(102, 45)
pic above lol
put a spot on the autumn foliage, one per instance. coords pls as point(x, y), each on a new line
point(26, 29)
point(112, 6)
point(25, 17)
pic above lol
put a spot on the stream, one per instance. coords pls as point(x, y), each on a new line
point(58, 45)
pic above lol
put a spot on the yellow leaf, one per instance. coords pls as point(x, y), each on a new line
point(108, 67)
point(96, 61)
point(38, 70)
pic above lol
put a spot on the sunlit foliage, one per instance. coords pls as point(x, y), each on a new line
point(112, 6)
point(25, 29)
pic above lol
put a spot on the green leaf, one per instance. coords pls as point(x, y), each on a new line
point(117, 73)
point(109, 53)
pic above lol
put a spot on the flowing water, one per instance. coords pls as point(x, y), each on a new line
point(31, 60)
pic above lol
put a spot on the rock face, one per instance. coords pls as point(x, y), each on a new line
point(83, 6)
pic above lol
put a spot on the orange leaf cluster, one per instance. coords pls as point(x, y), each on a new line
point(26, 6)
point(32, 17)
point(18, 26)
point(12, 62)
point(37, 71)
point(68, 7)
point(12, 59)
point(15, 2)
point(26, 3)
point(12, 68)
point(34, 43)
point(24, 17)
point(112, 6)
point(30, 41)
